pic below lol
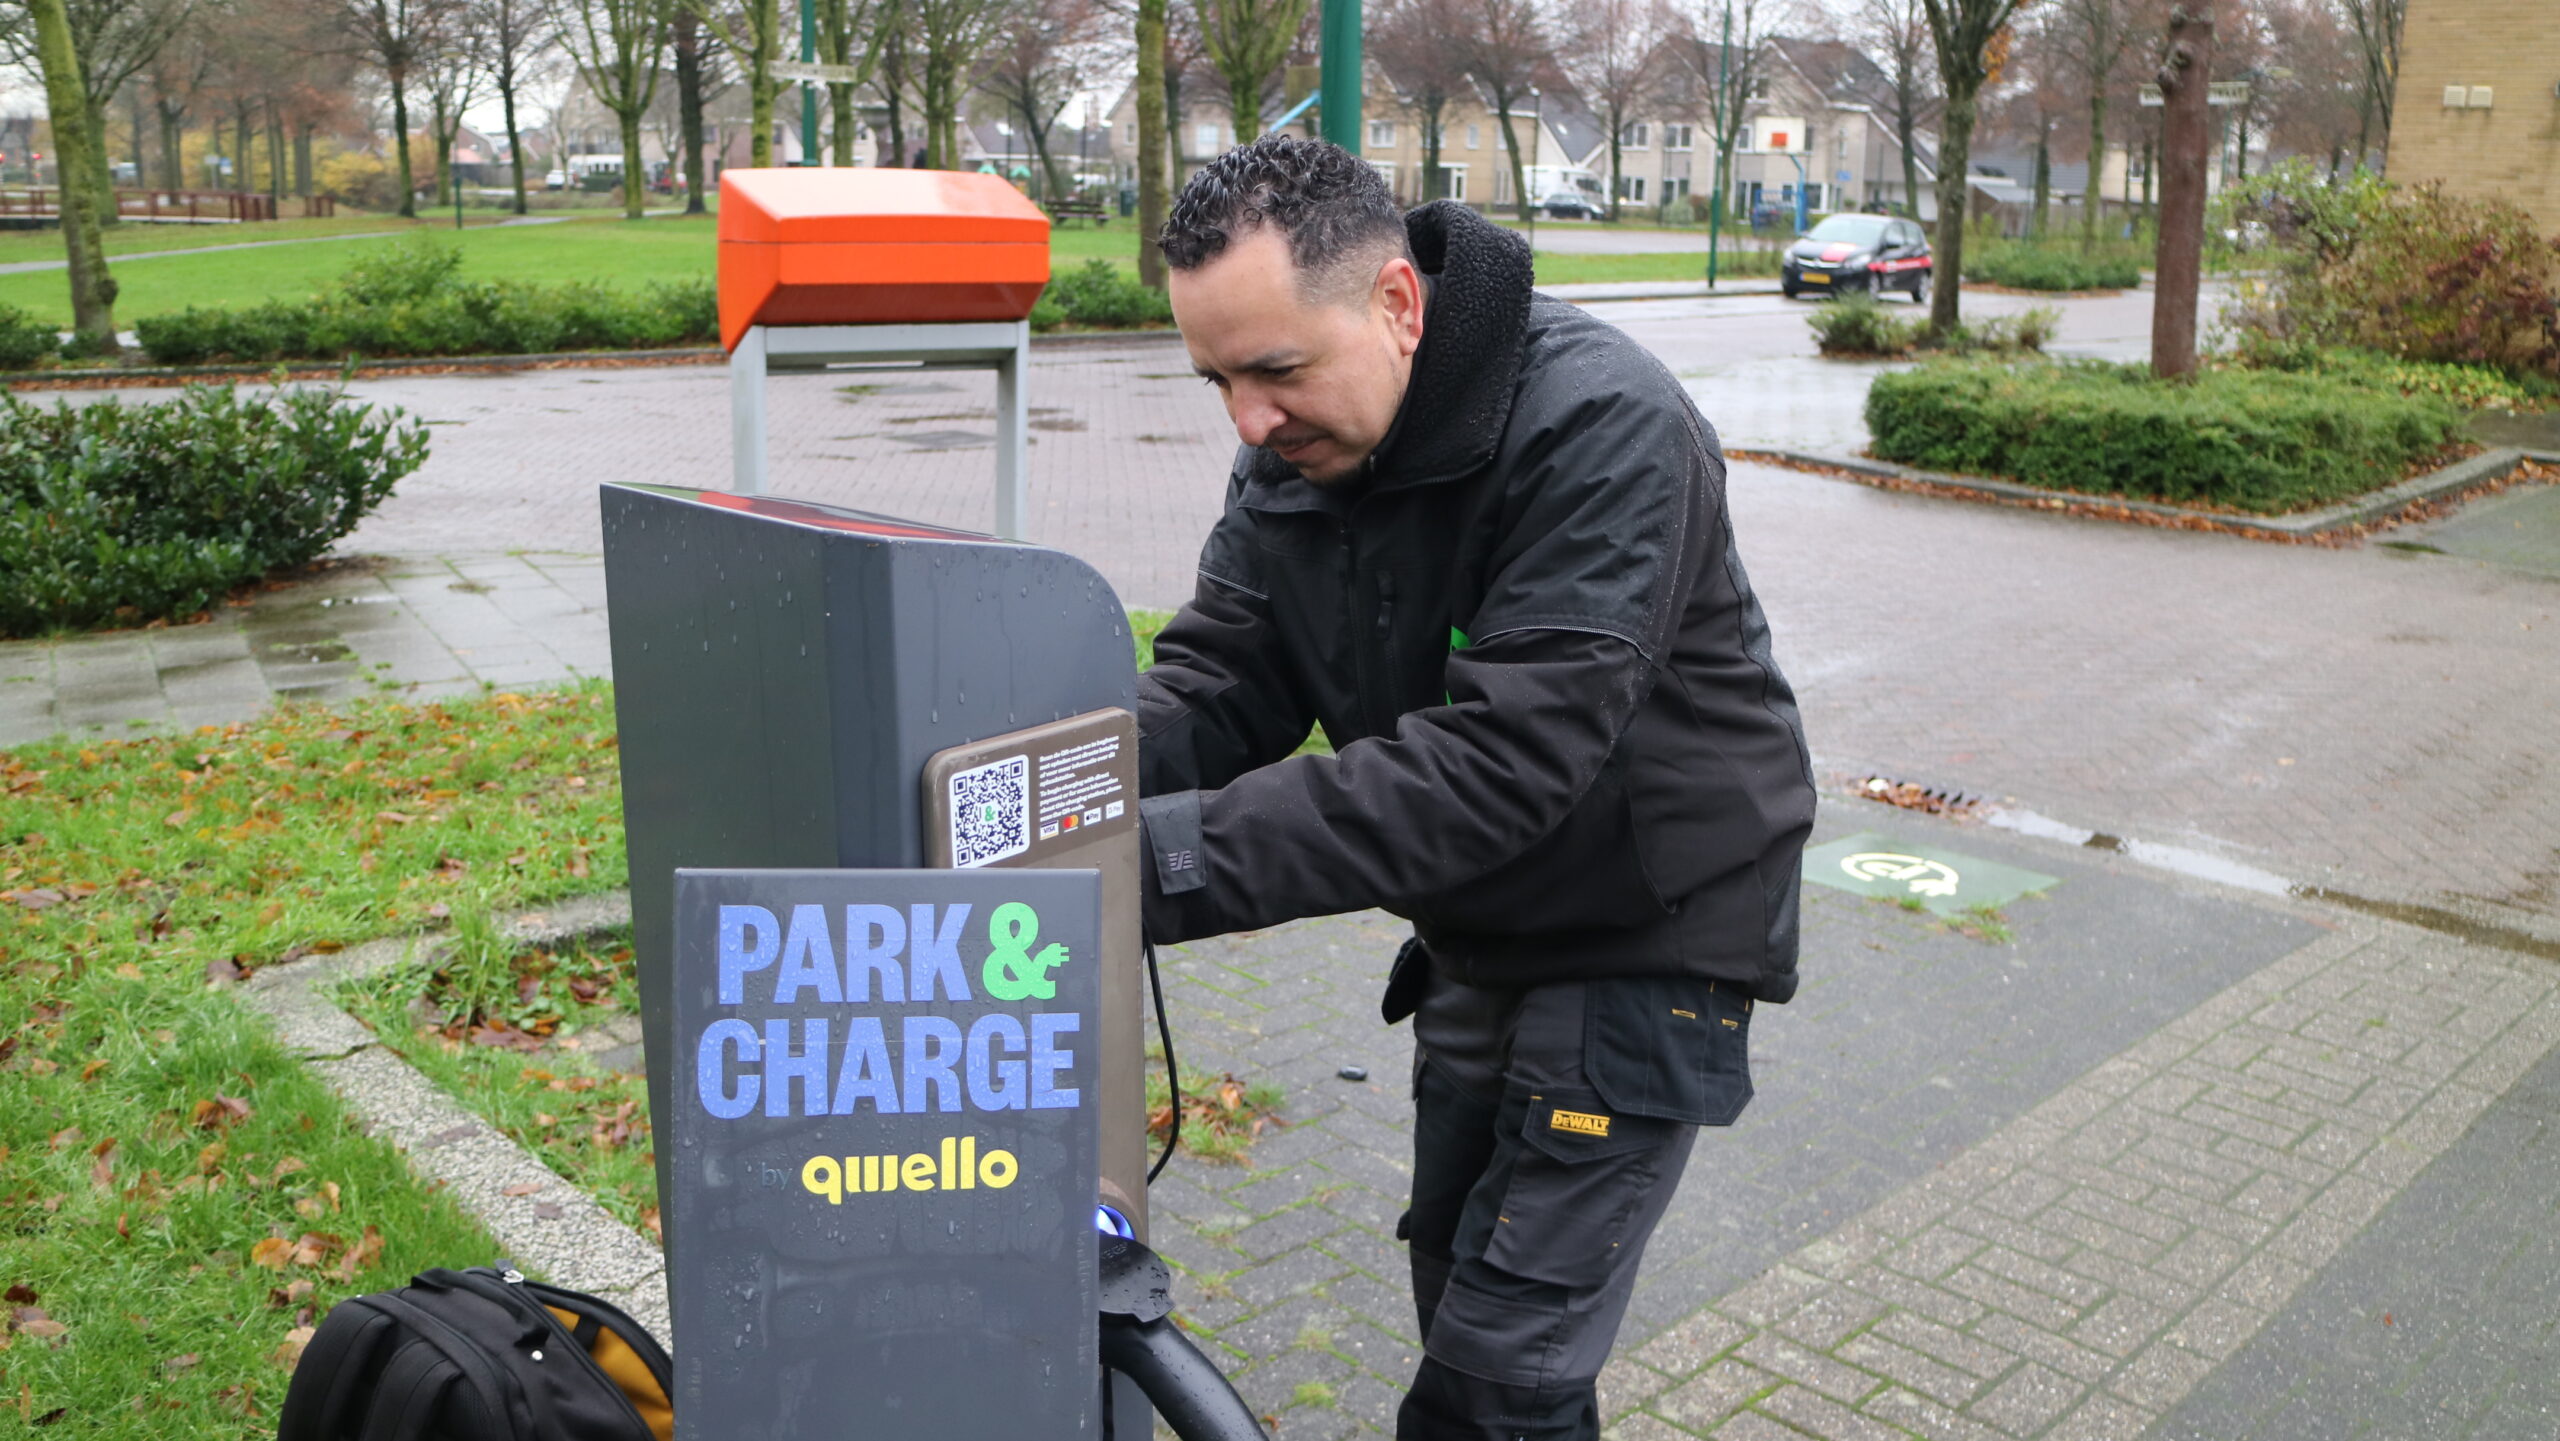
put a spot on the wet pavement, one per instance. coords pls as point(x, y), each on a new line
point(2261, 1053)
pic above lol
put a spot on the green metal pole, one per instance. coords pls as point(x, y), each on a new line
point(808, 90)
point(1338, 86)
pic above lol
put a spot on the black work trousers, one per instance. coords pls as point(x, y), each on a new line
point(1533, 1196)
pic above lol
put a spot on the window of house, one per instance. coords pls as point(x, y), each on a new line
point(1382, 134)
point(1631, 187)
point(1676, 137)
point(1638, 136)
point(1387, 172)
point(1453, 182)
point(1471, 137)
point(1208, 140)
point(1675, 188)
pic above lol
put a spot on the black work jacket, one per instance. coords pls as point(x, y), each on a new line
point(1562, 747)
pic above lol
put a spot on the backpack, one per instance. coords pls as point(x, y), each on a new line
point(479, 1355)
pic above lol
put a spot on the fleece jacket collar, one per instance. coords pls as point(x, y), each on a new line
point(1459, 396)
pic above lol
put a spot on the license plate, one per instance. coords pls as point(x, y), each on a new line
point(1815, 277)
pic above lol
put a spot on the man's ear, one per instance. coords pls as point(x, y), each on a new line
point(1398, 296)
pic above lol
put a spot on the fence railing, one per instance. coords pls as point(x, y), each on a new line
point(204, 207)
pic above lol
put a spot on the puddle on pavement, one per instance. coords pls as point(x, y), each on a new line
point(2203, 865)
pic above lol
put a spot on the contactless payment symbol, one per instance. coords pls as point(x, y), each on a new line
point(1925, 877)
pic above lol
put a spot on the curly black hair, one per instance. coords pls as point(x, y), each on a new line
point(1334, 208)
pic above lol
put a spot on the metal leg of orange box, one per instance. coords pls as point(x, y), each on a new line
point(1003, 346)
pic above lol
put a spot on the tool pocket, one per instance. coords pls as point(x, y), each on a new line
point(1583, 1169)
point(1674, 1048)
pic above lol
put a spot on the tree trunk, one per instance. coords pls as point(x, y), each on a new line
point(2097, 166)
point(302, 159)
point(515, 140)
point(843, 121)
point(2186, 146)
point(244, 152)
point(1511, 145)
point(631, 195)
point(444, 149)
point(173, 163)
point(93, 290)
point(687, 43)
point(1617, 160)
point(767, 27)
point(1244, 101)
point(2044, 183)
point(2240, 151)
point(1910, 158)
point(1955, 157)
point(1150, 99)
point(1041, 157)
point(102, 170)
point(275, 160)
point(1435, 186)
point(400, 133)
point(1173, 129)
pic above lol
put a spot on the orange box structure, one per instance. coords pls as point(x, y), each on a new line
point(868, 247)
point(839, 268)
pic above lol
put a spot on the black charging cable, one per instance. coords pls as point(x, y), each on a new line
point(1172, 1076)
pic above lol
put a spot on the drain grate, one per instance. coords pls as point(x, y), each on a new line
point(1913, 796)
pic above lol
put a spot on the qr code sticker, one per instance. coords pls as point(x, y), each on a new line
point(991, 812)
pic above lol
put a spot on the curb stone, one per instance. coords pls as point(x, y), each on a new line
point(540, 1221)
point(2488, 467)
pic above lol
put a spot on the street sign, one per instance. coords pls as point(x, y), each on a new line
point(1944, 882)
point(814, 73)
point(2220, 92)
point(885, 1132)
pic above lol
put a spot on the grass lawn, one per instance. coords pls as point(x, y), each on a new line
point(181, 1199)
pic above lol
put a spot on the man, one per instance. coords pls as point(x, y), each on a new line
point(1480, 538)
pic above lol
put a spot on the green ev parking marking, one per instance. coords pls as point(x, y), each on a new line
point(1945, 882)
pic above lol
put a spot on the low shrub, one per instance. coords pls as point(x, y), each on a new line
point(2059, 265)
point(411, 300)
point(2406, 271)
point(144, 512)
point(1860, 325)
point(1098, 293)
point(2472, 387)
point(24, 340)
point(2259, 441)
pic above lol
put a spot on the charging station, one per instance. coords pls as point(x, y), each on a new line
point(821, 711)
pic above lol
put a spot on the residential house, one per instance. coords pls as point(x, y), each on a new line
point(1562, 146)
point(2478, 102)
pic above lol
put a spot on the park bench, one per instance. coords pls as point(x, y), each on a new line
point(1092, 210)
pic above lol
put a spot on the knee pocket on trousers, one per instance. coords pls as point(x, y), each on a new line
point(1583, 1172)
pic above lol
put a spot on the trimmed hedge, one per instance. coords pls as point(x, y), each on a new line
point(2260, 441)
point(409, 300)
point(113, 512)
point(2051, 267)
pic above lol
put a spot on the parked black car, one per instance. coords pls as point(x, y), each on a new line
point(1566, 205)
point(1874, 253)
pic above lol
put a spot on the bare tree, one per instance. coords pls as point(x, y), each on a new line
point(2376, 25)
point(1972, 39)
point(619, 47)
point(2316, 106)
point(515, 34)
point(753, 33)
point(1612, 52)
point(848, 35)
point(1037, 62)
point(951, 38)
point(397, 37)
point(84, 201)
point(1246, 41)
point(1895, 34)
point(178, 74)
point(454, 74)
point(2093, 35)
point(1725, 47)
point(1409, 40)
point(112, 40)
point(1505, 47)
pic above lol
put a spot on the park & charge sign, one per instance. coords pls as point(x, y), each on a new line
point(885, 1137)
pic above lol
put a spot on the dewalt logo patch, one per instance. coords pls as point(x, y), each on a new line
point(1581, 1123)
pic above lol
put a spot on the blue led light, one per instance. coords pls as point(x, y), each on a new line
point(1111, 1223)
